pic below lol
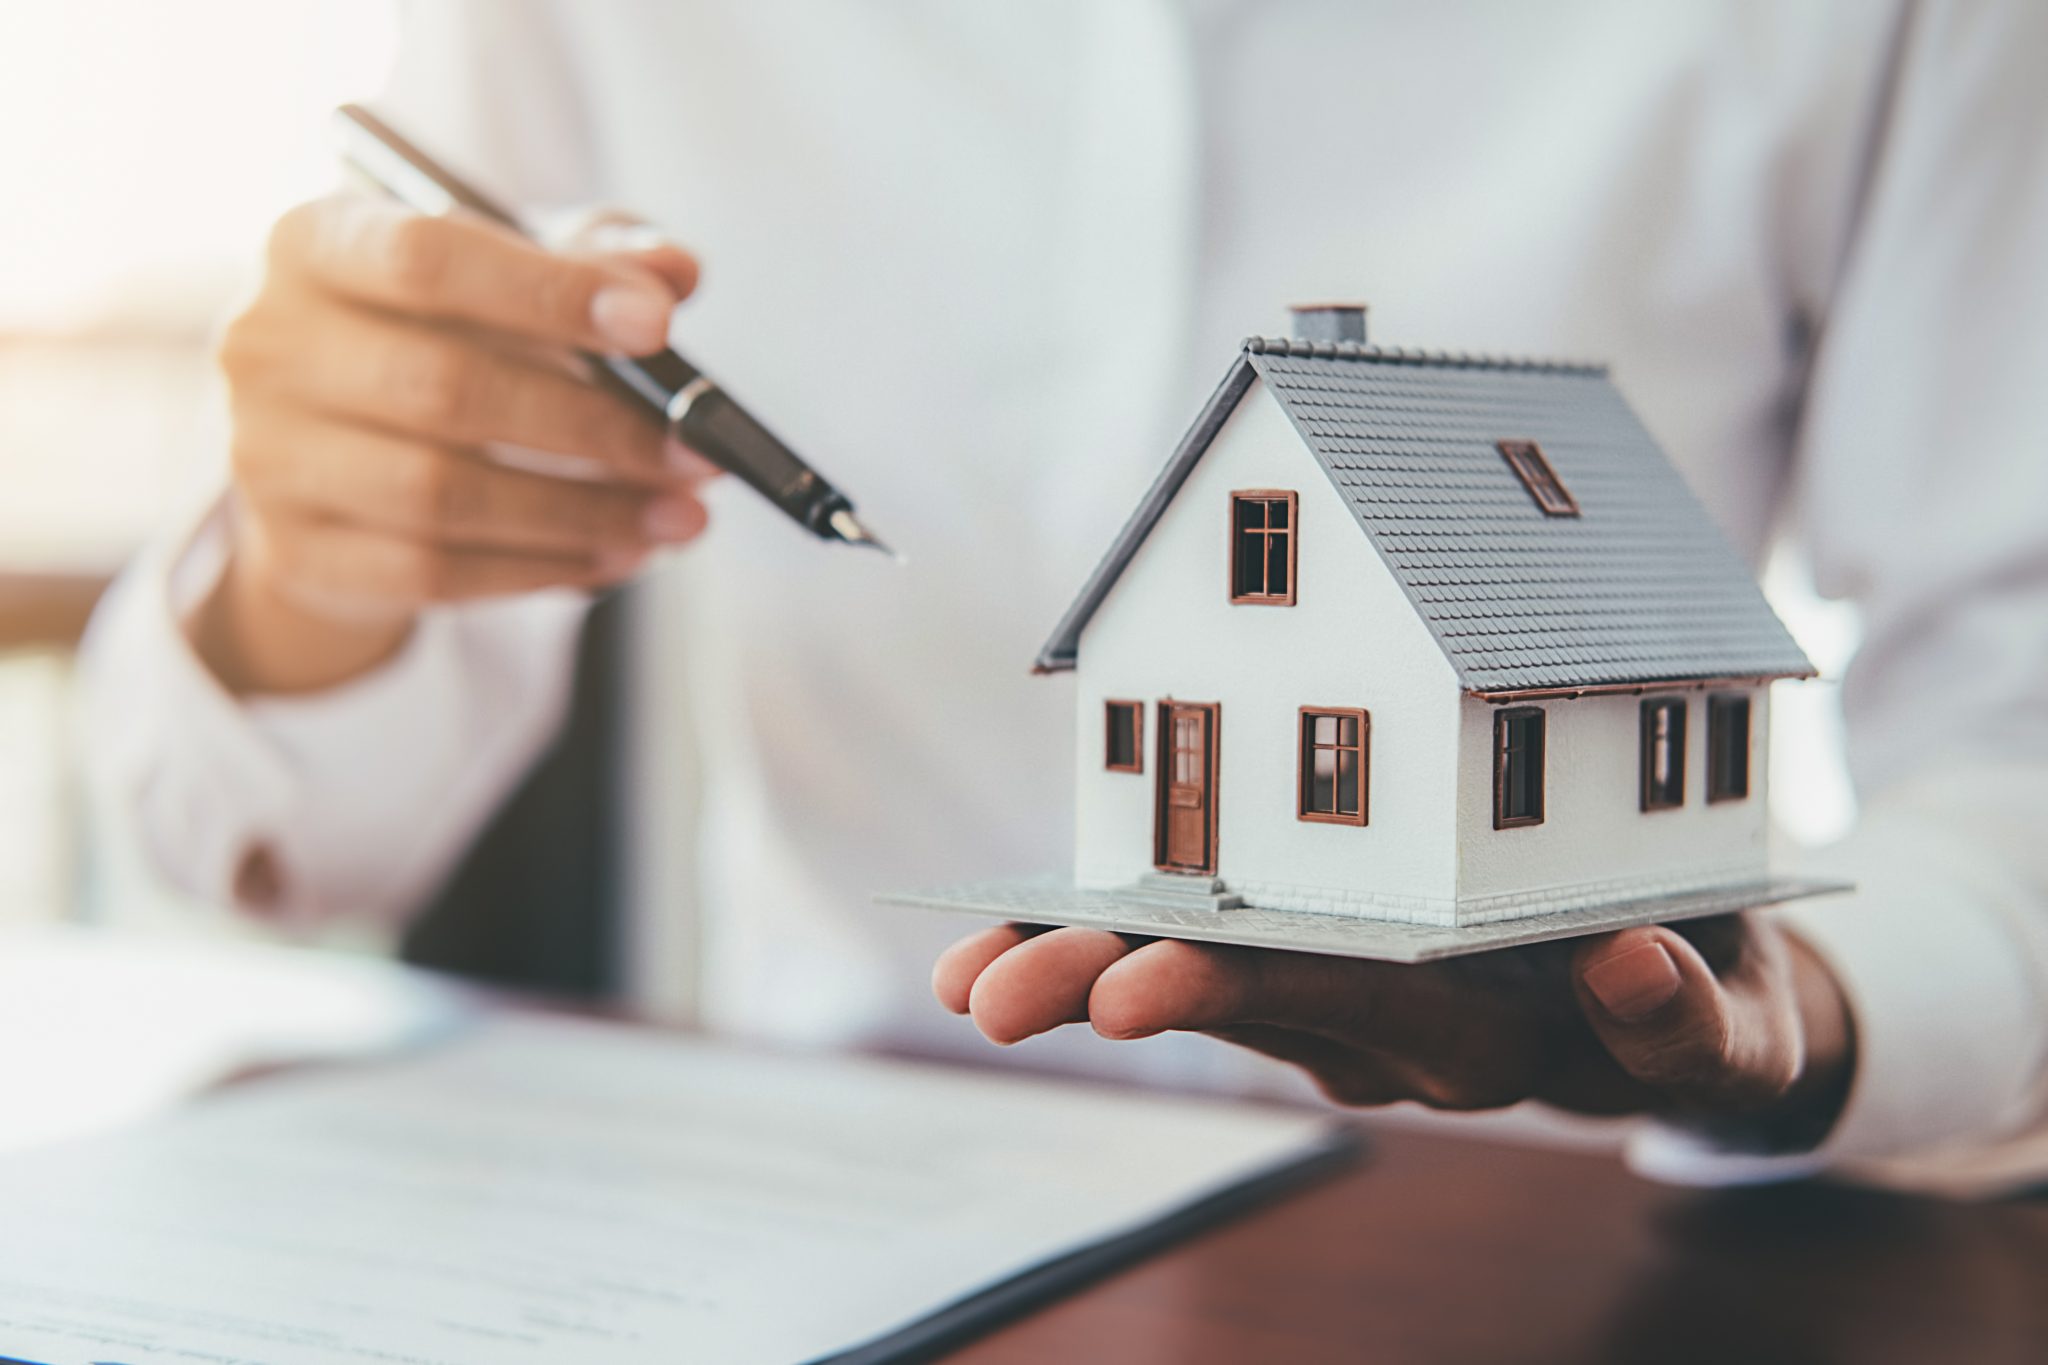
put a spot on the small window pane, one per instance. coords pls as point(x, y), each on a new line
point(1124, 750)
point(1727, 748)
point(1276, 515)
point(1323, 792)
point(1249, 580)
point(1276, 564)
point(1187, 743)
point(1663, 757)
point(1518, 768)
point(1347, 781)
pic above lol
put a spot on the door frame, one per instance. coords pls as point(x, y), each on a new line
point(1163, 766)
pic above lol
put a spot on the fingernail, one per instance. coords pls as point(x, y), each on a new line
point(1636, 984)
point(670, 519)
point(634, 320)
point(1126, 1035)
point(625, 236)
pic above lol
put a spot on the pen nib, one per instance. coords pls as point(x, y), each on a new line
point(853, 533)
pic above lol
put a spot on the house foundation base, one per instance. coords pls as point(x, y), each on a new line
point(1186, 914)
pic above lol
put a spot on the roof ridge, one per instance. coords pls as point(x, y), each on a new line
point(1403, 355)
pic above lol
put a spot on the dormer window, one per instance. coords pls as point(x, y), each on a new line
point(1532, 467)
point(1262, 524)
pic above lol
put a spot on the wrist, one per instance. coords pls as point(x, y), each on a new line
point(1817, 1097)
point(255, 636)
point(1801, 1118)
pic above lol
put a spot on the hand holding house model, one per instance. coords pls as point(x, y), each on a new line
point(1410, 655)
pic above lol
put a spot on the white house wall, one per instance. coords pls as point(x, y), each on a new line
point(1595, 842)
point(1168, 629)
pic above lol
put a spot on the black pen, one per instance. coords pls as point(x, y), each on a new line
point(675, 392)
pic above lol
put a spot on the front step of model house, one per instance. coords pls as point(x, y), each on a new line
point(1425, 638)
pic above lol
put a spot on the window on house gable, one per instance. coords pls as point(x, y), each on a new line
point(1727, 747)
point(1262, 524)
point(1123, 746)
point(1335, 749)
point(1517, 767)
point(1663, 781)
point(1532, 467)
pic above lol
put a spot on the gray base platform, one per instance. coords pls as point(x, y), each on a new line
point(1051, 901)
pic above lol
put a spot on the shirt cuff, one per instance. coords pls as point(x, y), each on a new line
point(359, 795)
point(162, 736)
point(1942, 954)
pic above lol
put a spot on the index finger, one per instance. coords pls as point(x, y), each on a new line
point(460, 268)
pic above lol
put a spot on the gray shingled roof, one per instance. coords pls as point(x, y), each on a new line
point(1640, 588)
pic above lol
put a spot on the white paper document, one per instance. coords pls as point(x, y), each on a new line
point(99, 1028)
point(559, 1191)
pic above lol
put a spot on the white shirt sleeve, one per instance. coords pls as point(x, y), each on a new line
point(363, 796)
point(1923, 471)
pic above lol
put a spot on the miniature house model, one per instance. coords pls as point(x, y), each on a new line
point(1422, 639)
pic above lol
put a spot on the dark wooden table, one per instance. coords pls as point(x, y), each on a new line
point(1447, 1250)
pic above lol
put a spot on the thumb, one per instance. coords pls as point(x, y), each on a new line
point(1715, 1045)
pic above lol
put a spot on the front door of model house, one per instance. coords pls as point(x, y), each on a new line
point(1184, 829)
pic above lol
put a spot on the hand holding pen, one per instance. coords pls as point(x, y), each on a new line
point(672, 390)
point(384, 354)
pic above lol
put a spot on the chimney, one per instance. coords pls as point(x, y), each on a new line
point(1329, 322)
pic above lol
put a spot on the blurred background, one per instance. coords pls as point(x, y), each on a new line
point(145, 149)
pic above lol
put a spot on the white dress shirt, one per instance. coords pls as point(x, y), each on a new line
point(981, 263)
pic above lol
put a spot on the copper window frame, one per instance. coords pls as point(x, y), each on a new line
point(1110, 707)
point(1501, 720)
point(1719, 706)
point(1305, 745)
point(1647, 732)
point(1163, 778)
point(1293, 501)
point(1539, 477)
